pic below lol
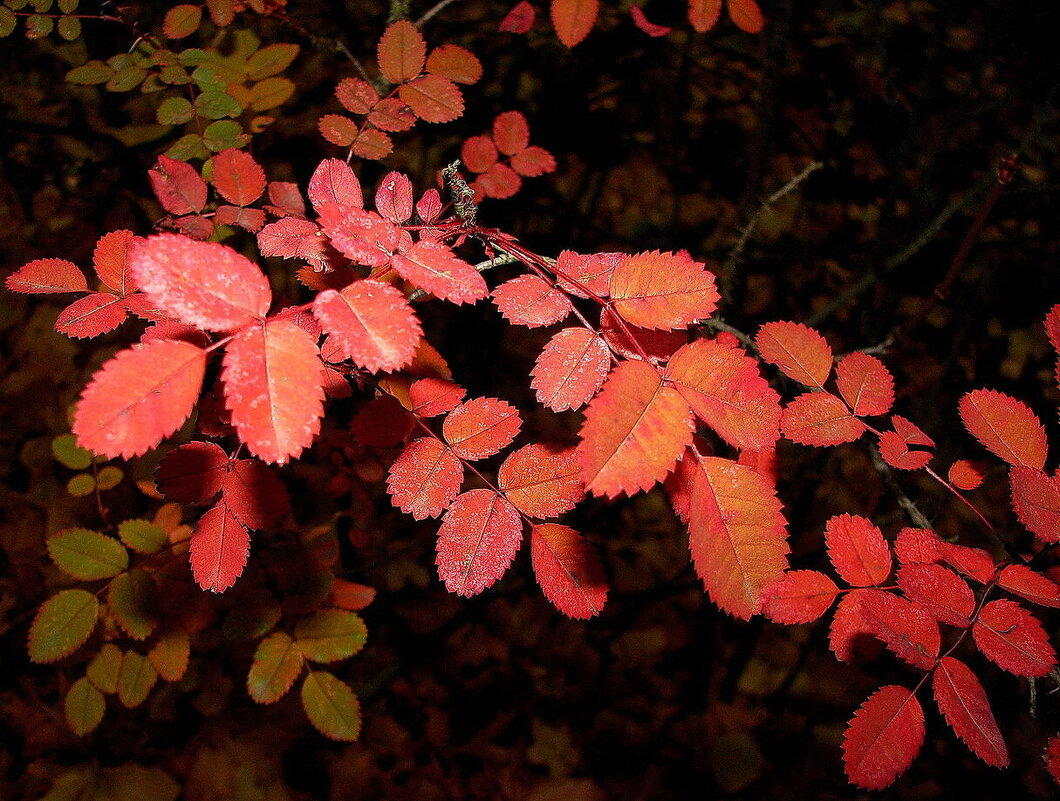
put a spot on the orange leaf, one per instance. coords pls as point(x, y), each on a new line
point(858, 550)
point(401, 52)
point(455, 63)
point(477, 540)
point(703, 14)
point(1006, 427)
point(904, 627)
point(238, 177)
point(433, 98)
point(94, 314)
point(371, 323)
point(531, 301)
point(541, 480)
point(481, 427)
point(801, 596)
point(568, 570)
point(425, 478)
point(434, 268)
point(110, 260)
point(478, 153)
point(746, 15)
point(570, 369)
point(865, 384)
point(883, 738)
point(820, 418)
point(511, 132)
point(662, 290)
point(46, 277)
point(800, 352)
point(573, 19)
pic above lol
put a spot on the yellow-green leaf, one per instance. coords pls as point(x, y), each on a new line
point(69, 28)
point(90, 73)
point(277, 663)
point(84, 706)
point(181, 21)
point(224, 134)
point(109, 477)
point(270, 60)
point(331, 706)
point(87, 555)
point(330, 635)
point(270, 93)
point(103, 669)
point(68, 6)
point(81, 485)
point(63, 623)
point(170, 654)
point(174, 111)
point(142, 536)
point(135, 679)
point(215, 105)
point(69, 454)
point(7, 21)
point(133, 600)
point(38, 26)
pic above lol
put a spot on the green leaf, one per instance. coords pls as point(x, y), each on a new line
point(189, 146)
point(68, 6)
point(174, 111)
point(174, 75)
point(41, 5)
point(67, 452)
point(192, 57)
point(69, 28)
point(38, 26)
point(207, 79)
point(135, 679)
point(133, 601)
point(215, 105)
point(331, 706)
point(63, 623)
point(109, 477)
point(330, 635)
point(7, 21)
point(142, 536)
point(252, 615)
point(271, 60)
point(87, 555)
point(16, 5)
point(81, 485)
point(103, 669)
point(224, 134)
point(127, 78)
point(84, 706)
point(277, 663)
point(90, 73)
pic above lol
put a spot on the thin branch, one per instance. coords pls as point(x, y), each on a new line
point(907, 504)
point(431, 12)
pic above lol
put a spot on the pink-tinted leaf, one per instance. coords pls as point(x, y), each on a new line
point(434, 396)
point(511, 132)
point(964, 704)
point(568, 569)
point(634, 342)
point(801, 596)
point(425, 478)
point(1005, 427)
point(1013, 639)
point(533, 161)
point(47, 277)
point(940, 592)
point(662, 290)
point(372, 144)
point(393, 198)
point(401, 52)
point(363, 236)
point(499, 181)
point(570, 369)
point(583, 274)
point(1035, 587)
point(203, 283)
point(94, 314)
point(455, 63)
point(634, 431)
point(865, 384)
point(250, 219)
point(850, 636)
point(573, 19)
point(1036, 499)
point(434, 268)
point(220, 545)
point(541, 480)
point(645, 24)
point(371, 323)
point(520, 19)
point(481, 427)
point(272, 387)
point(178, 186)
point(821, 419)
point(192, 473)
point(477, 540)
point(286, 199)
point(238, 177)
point(254, 494)
point(143, 394)
point(392, 115)
point(903, 626)
point(429, 206)
point(356, 96)
point(883, 738)
point(703, 14)
point(334, 181)
point(433, 98)
point(724, 388)
point(293, 238)
point(800, 352)
point(110, 260)
point(531, 301)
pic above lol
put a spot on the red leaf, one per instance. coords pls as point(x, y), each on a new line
point(433, 98)
point(178, 186)
point(568, 569)
point(143, 394)
point(192, 473)
point(272, 387)
point(425, 478)
point(634, 342)
point(371, 323)
point(662, 290)
point(578, 273)
point(511, 132)
point(724, 388)
point(634, 431)
point(573, 19)
point(570, 369)
point(533, 161)
point(801, 596)
point(250, 220)
point(910, 433)
point(965, 475)
point(1035, 587)
point(865, 384)
point(747, 16)
point(382, 423)
point(434, 396)
point(286, 199)
point(499, 181)
point(334, 181)
point(219, 549)
point(821, 419)
point(390, 114)
point(47, 277)
point(541, 480)
point(455, 63)
point(850, 637)
point(393, 198)
point(477, 540)
point(1013, 639)
point(363, 236)
point(973, 562)
point(94, 314)
point(434, 268)
point(401, 52)
point(293, 238)
point(478, 153)
point(903, 626)
point(110, 260)
point(338, 129)
point(896, 453)
point(520, 19)
point(703, 14)
point(238, 177)
point(531, 301)
point(800, 352)
point(203, 283)
point(940, 592)
point(736, 530)
point(645, 25)
point(254, 494)
point(883, 738)
point(1036, 499)
point(429, 206)
point(858, 550)
point(356, 96)
point(1006, 427)
point(372, 144)
point(481, 427)
point(963, 702)
point(915, 546)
